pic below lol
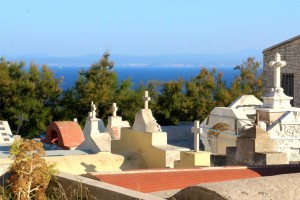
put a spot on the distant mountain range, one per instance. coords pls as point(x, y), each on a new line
point(179, 60)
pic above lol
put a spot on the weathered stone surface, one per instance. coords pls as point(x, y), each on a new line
point(290, 52)
point(273, 187)
point(145, 122)
point(255, 132)
point(255, 148)
point(271, 158)
point(257, 145)
point(230, 153)
point(218, 160)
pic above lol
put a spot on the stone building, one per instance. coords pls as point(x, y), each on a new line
point(290, 75)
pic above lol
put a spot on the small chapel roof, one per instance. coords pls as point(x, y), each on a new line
point(66, 134)
point(281, 43)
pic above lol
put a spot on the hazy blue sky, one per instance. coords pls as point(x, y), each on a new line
point(144, 27)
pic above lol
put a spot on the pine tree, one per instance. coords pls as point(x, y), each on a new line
point(249, 82)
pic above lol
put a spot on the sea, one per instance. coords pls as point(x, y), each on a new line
point(142, 74)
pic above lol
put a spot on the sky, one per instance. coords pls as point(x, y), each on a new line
point(144, 27)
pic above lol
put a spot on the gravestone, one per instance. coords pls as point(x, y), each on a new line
point(282, 120)
point(144, 120)
point(194, 158)
point(196, 130)
point(115, 124)
point(276, 98)
point(95, 139)
point(146, 138)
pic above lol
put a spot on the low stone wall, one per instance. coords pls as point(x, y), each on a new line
point(285, 186)
point(99, 190)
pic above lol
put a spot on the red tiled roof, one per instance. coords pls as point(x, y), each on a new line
point(158, 180)
point(66, 134)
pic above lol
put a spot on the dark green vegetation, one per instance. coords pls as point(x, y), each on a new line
point(36, 95)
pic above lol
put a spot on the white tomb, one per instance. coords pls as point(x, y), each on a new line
point(96, 139)
point(146, 138)
point(6, 136)
point(275, 115)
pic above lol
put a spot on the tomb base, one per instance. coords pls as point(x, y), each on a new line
point(152, 146)
point(218, 160)
point(189, 159)
point(255, 148)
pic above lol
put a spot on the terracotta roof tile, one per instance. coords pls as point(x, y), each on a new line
point(157, 180)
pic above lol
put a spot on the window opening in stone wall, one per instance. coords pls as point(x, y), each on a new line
point(287, 83)
point(4, 134)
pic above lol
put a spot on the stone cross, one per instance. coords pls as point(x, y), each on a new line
point(93, 110)
point(277, 64)
point(146, 98)
point(21, 120)
point(114, 109)
point(196, 130)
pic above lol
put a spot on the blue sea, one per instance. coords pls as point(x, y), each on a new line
point(143, 74)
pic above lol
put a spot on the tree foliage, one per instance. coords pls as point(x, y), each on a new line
point(33, 94)
point(96, 84)
point(250, 79)
point(36, 95)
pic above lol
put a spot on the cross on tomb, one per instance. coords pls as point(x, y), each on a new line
point(21, 120)
point(196, 130)
point(277, 64)
point(146, 99)
point(93, 109)
point(114, 109)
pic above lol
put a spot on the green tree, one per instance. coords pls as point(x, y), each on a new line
point(96, 84)
point(200, 94)
point(170, 104)
point(249, 82)
point(129, 100)
point(222, 96)
point(32, 94)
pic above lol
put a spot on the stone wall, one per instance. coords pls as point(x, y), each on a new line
point(273, 187)
point(290, 52)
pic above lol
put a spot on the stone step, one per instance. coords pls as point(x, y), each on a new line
point(218, 160)
point(271, 158)
point(190, 159)
point(255, 145)
point(255, 132)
